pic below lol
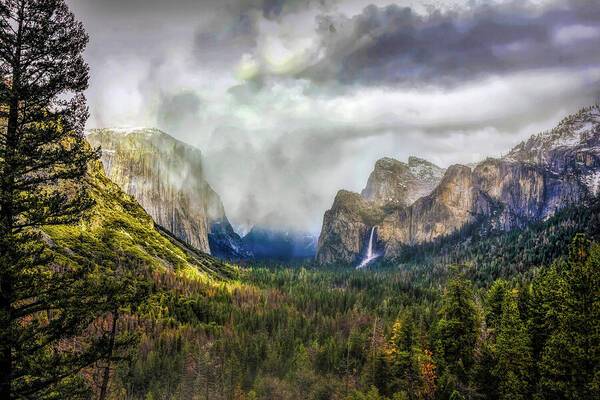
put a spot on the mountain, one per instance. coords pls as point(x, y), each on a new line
point(117, 224)
point(544, 174)
point(285, 246)
point(166, 177)
point(397, 183)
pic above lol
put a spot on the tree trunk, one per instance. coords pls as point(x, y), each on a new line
point(7, 180)
point(111, 346)
point(6, 336)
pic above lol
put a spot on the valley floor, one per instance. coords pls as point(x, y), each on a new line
point(393, 332)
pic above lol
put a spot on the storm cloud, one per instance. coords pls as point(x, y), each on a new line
point(291, 100)
point(395, 44)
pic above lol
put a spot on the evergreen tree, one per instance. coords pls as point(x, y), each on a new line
point(457, 332)
point(570, 359)
point(513, 349)
point(487, 382)
point(403, 358)
point(494, 303)
point(377, 372)
point(43, 159)
point(123, 290)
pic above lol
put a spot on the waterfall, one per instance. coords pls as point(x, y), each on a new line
point(370, 249)
point(370, 256)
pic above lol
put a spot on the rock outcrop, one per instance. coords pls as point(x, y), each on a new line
point(166, 177)
point(345, 227)
point(536, 178)
point(395, 183)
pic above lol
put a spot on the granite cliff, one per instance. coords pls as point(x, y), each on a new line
point(396, 183)
point(117, 226)
point(534, 180)
point(166, 178)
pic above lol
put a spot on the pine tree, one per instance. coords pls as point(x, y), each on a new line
point(513, 349)
point(403, 358)
point(570, 358)
point(377, 372)
point(43, 158)
point(494, 303)
point(123, 290)
point(457, 332)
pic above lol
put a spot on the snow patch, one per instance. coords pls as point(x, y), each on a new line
point(568, 141)
point(592, 182)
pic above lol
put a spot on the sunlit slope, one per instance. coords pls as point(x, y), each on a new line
point(117, 226)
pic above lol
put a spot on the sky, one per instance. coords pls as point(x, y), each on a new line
point(292, 100)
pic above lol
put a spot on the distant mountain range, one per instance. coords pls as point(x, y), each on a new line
point(280, 245)
point(417, 202)
point(403, 203)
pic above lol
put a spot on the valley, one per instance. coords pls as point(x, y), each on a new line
point(403, 204)
point(279, 230)
point(325, 330)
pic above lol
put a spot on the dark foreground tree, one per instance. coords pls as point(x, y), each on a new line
point(512, 371)
point(568, 297)
point(457, 332)
point(43, 159)
point(403, 358)
point(122, 292)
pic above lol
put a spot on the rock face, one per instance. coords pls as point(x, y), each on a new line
point(345, 227)
point(117, 225)
point(395, 183)
point(166, 177)
point(539, 176)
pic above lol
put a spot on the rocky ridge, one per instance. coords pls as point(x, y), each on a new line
point(398, 183)
point(535, 179)
point(117, 226)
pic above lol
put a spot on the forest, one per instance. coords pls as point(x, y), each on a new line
point(97, 302)
point(281, 333)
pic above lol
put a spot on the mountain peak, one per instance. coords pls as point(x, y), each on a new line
point(388, 163)
point(414, 160)
point(576, 130)
point(398, 183)
point(425, 170)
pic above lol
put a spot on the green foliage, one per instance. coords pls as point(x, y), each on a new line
point(570, 338)
point(403, 358)
point(117, 223)
point(44, 307)
point(346, 334)
point(499, 254)
point(513, 349)
point(495, 299)
point(457, 329)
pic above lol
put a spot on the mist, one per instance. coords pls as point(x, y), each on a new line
point(290, 101)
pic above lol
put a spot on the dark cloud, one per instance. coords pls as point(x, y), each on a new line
point(397, 45)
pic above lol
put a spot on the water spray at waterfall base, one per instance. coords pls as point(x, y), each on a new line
point(371, 255)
